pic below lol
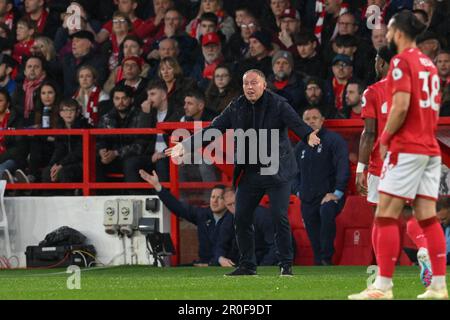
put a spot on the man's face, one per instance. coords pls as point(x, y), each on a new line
point(248, 26)
point(22, 32)
point(282, 69)
point(253, 86)
point(313, 94)
point(80, 47)
point(391, 36)
point(3, 7)
point(278, 6)
point(291, 26)
point(352, 96)
point(207, 26)
point(121, 101)
point(162, 5)
point(239, 18)
point(210, 5)
point(131, 48)
point(131, 70)
point(126, 6)
point(173, 19)
point(429, 47)
point(211, 52)
point(342, 70)
point(167, 48)
point(193, 107)
point(33, 6)
point(216, 202)
point(33, 69)
point(347, 25)
point(313, 118)
point(120, 25)
point(332, 6)
point(424, 5)
point(307, 50)
point(256, 48)
point(443, 64)
point(230, 201)
point(156, 97)
point(379, 37)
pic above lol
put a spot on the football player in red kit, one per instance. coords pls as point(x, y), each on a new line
point(412, 161)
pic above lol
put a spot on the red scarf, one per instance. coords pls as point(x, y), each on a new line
point(9, 20)
point(41, 22)
point(29, 87)
point(208, 72)
point(91, 113)
point(321, 12)
point(338, 90)
point(4, 126)
point(119, 74)
point(280, 85)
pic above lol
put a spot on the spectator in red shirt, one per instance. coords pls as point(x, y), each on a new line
point(155, 25)
point(126, 8)
point(6, 13)
point(342, 72)
point(353, 100)
point(25, 32)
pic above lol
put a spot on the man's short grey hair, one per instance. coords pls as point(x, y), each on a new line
point(258, 72)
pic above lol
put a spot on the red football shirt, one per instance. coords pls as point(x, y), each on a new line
point(413, 72)
point(374, 106)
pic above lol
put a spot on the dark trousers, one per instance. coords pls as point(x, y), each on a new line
point(129, 167)
point(320, 224)
point(250, 190)
point(68, 173)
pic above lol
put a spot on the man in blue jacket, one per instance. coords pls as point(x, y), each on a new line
point(321, 184)
point(208, 220)
point(268, 115)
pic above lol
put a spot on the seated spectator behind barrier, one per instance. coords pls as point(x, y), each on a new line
point(238, 46)
point(132, 69)
point(195, 110)
point(157, 109)
point(90, 95)
point(209, 221)
point(7, 65)
point(44, 47)
point(177, 85)
point(289, 25)
point(45, 117)
point(228, 251)
point(342, 69)
point(82, 54)
point(260, 48)
point(131, 46)
point(309, 62)
point(24, 96)
point(353, 100)
point(211, 57)
point(66, 163)
point(121, 27)
point(316, 96)
point(222, 89)
point(13, 149)
point(25, 33)
point(119, 154)
point(225, 22)
point(285, 81)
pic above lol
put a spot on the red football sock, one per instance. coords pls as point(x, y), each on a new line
point(414, 231)
point(436, 245)
point(388, 245)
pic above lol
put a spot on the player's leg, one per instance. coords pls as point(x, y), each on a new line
point(425, 212)
point(373, 199)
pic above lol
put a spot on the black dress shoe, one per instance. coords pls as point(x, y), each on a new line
point(241, 271)
point(286, 271)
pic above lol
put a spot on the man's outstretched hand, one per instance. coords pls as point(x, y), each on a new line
point(151, 178)
point(313, 139)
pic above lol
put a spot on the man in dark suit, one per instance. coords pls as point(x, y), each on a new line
point(259, 109)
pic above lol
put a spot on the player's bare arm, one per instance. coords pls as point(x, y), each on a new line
point(366, 143)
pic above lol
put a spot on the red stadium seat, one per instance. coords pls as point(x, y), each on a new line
point(353, 242)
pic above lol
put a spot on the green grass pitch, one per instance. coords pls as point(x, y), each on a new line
point(186, 283)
